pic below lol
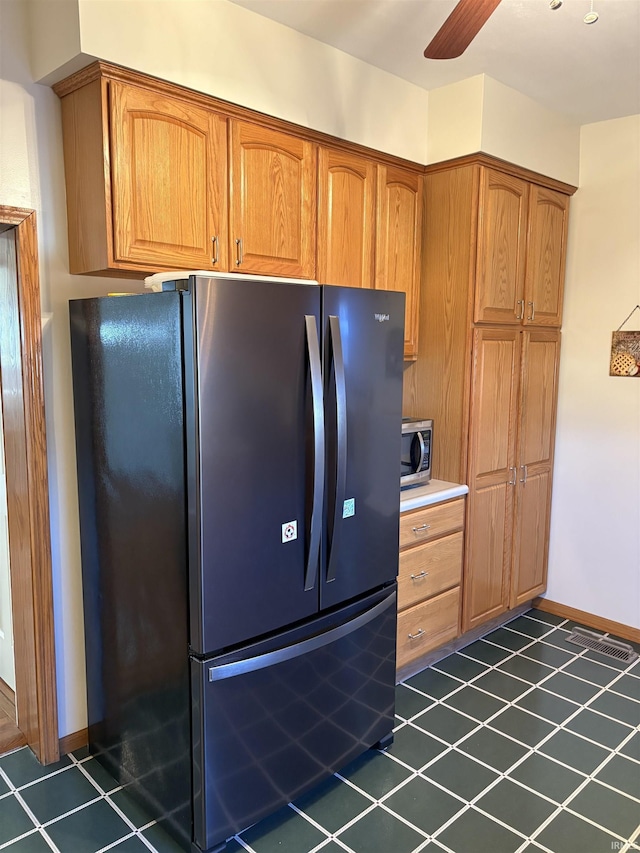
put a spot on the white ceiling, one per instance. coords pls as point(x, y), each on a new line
point(587, 72)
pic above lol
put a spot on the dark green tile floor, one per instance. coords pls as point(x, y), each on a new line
point(519, 742)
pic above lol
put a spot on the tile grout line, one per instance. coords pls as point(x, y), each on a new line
point(465, 805)
point(106, 795)
point(449, 747)
point(533, 750)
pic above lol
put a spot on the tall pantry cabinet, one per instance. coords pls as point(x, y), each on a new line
point(491, 309)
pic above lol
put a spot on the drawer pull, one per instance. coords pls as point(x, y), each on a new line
point(415, 636)
point(422, 574)
point(422, 529)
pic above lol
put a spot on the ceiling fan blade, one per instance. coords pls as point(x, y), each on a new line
point(460, 28)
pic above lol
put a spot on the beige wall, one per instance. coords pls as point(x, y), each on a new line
point(519, 130)
point(455, 120)
point(481, 114)
point(594, 561)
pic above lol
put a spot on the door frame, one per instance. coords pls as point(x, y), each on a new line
point(22, 393)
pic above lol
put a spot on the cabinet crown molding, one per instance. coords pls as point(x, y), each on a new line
point(479, 158)
point(101, 70)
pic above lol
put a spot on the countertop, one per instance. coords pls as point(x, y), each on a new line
point(433, 493)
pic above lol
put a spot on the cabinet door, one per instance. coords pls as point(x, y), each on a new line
point(536, 433)
point(346, 218)
point(501, 248)
point(496, 355)
point(168, 163)
point(398, 243)
point(272, 210)
point(546, 253)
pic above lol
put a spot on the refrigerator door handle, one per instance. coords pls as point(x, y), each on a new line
point(315, 526)
point(241, 667)
point(341, 445)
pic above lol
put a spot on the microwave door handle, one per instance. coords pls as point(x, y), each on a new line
point(315, 525)
point(420, 438)
point(341, 445)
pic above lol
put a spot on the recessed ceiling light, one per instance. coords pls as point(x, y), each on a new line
point(555, 4)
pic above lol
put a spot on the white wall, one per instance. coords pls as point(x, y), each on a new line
point(594, 561)
point(7, 667)
point(31, 175)
point(224, 50)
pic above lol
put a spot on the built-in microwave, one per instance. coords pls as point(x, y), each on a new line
point(415, 457)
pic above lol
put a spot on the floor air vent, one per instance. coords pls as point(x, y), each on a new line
point(604, 645)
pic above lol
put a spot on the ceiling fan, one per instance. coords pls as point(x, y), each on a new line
point(460, 28)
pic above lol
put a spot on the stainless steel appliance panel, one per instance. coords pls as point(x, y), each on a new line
point(329, 689)
point(363, 361)
point(249, 412)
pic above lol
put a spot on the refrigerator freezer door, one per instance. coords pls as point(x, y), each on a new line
point(250, 426)
point(363, 359)
point(272, 723)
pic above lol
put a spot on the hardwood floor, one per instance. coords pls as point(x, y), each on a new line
point(10, 735)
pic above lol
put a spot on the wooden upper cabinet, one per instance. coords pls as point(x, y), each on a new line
point(546, 253)
point(502, 235)
point(168, 165)
point(346, 218)
point(398, 243)
point(272, 210)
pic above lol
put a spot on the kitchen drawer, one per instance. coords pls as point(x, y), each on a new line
point(431, 522)
point(431, 624)
point(429, 569)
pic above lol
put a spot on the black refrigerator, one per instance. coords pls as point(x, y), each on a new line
point(238, 447)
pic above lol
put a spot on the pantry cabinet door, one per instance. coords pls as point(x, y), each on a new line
point(272, 211)
point(346, 218)
point(168, 164)
point(494, 384)
point(502, 237)
point(546, 254)
point(536, 437)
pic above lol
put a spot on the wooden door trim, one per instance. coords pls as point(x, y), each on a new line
point(28, 500)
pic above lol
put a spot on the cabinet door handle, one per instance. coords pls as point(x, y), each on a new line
point(523, 479)
point(514, 476)
point(532, 316)
point(422, 529)
point(520, 311)
point(419, 633)
point(422, 574)
point(214, 257)
point(239, 252)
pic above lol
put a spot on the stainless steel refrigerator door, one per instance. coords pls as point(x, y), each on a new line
point(363, 333)
point(272, 721)
point(254, 445)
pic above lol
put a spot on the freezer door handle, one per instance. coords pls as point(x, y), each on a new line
point(315, 525)
point(241, 667)
point(341, 445)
